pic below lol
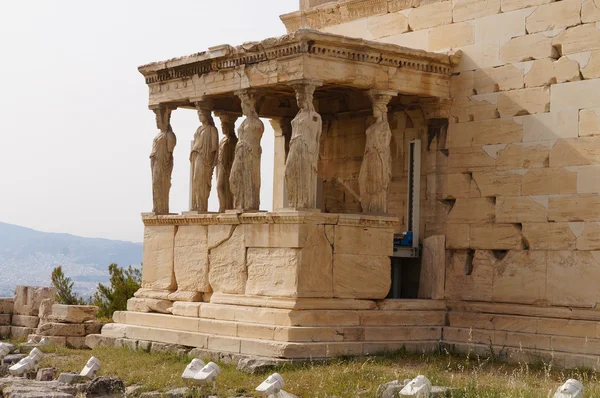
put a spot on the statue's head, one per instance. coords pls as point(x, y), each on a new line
point(205, 117)
point(380, 109)
point(304, 96)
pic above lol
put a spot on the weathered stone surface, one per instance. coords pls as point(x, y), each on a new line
point(469, 276)
point(590, 238)
point(519, 210)
point(182, 295)
point(6, 305)
point(457, 236)
point(577, 39)
point(186, 309)
point(105, 387)
point(61, 329)
point(486, 132)
point(547, 71)
point(574, 208)
point(590, 11)
point(433, 268)
point(359, 240)
point(149, 305)
point(524, 102)
point(5, 319)
point(496, 183)
point(228, 272)
point(25, 321)
point(528, 47)
point(580, 151)
point(587, 179)
point(549, 236)
point(561, 14)
point(549, 126)
point(475, 108)
point(20, 332)
point(431, 15)
point(73, 313)
point(390, 390)
point(496, 237)
point(451, 36)
point(576, 95)
point(158, 270)
point(472, 211)
point(45, 374)
point(97, 340)
point(255, 365)
point(511, 5)
point(524, 156)
point(502, 78)
point(28, 299)
point(191, 258)
point(571, 268)
point(93, 327)
point(520, 277)
point(589, 122)
point(361, 276)
point(449, 186)
point(549, 181)
point(464, 10)
point(394, 23)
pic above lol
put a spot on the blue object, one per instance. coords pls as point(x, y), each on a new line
point(407, 240)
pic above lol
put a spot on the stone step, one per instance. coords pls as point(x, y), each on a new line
point(266, 348)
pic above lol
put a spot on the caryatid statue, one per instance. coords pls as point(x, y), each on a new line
point(245, 171)
point(203, 157)
point(225, 160)
point(161, 161)
point(376, 170)
point(303, 156)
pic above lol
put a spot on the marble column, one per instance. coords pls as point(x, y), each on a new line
point(303, 158)
point(376, 170)
point(283, 134)
point(225, 159)
point(161, 160)
point(245, 171)
point(203, 157)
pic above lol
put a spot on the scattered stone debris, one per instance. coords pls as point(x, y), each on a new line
point(105, 387)
point(393, 389)
point(70, 378)
point(46, 374)
point(255, 365)
point(13, 358)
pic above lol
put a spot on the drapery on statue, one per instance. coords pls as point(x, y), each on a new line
point(303, 156)
point(245, 171)
point(203, 158)
point(161, 161)
point(225, 161)
point(376, 170)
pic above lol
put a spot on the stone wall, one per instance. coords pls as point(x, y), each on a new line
point(515, 187)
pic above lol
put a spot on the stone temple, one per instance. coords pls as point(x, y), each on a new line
point(436, 181)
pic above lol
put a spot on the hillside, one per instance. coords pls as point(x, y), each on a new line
point(28, 256)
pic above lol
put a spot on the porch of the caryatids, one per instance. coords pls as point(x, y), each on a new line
point(161, 160)
point(203, 157)
point(376, 170)
point(225, 159)
point(303, 155)
point(244, 180)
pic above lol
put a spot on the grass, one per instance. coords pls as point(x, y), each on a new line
point(473, 377)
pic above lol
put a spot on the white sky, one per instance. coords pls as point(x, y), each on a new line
point(76, 132)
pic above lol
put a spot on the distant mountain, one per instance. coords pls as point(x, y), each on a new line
point(27, 257)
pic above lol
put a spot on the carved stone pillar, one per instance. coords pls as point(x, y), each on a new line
point(303, 157)
point(203, 157)
point(245, 171)
point(225, 159)
point(376, 170)
point(436, 114)
point(283, 135)
point(161, 160)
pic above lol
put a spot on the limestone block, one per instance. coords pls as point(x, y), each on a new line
point(157, 270)
point(28, 299)
point(485, 132)
point(5, 332)
point(469, 159)
point(520, 277)
point(5, 319)
point(496, 183)
point(149, 305)
point(574, 208)
point(590, 11)
point(580, 95)
point(590, 238)
point(549, 126)
point(73, 313)
point(25, 321)
point(191, 258)
point(472, 211)
point(188, 296)
point(547, 71)
point(561, 14)
point(359, 240)
point(592, 69)
point(457, 236)
point(525, 155)
point(496, 237)
point(474, 285)
point(186, 309)
point(153, 294)
point(228, 272)
point(6, 305)
point(549, 236)
point(418, 40)
point(502, 78)
point(451, 36)
point(387, 25)
point(549, 181)
point(276, 235)
point(573, 278)
point(61, 329)
point(589, 122)
point(92, 327)
point(577, 39)
point(475, 108)
point(588, 180)
point(511, 5)
point(524, 102)
point(528, 47)
point(77, 343)
point(581, 151)
point(361, 276)
point(431, 15)
point(461, 84)
point(21, 332)
point(449, 186)
point(433, 268)
point(519, 210)
point(358, 28)
point(464, 10)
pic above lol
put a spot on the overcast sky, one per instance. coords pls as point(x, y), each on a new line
point(76, 132)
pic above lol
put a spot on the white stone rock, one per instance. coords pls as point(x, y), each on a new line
point(193, 369)
point(90, 368)
point(419, 387)
point(571, 389)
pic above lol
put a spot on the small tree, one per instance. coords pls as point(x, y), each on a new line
point(64, 288)
point(123, 283)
